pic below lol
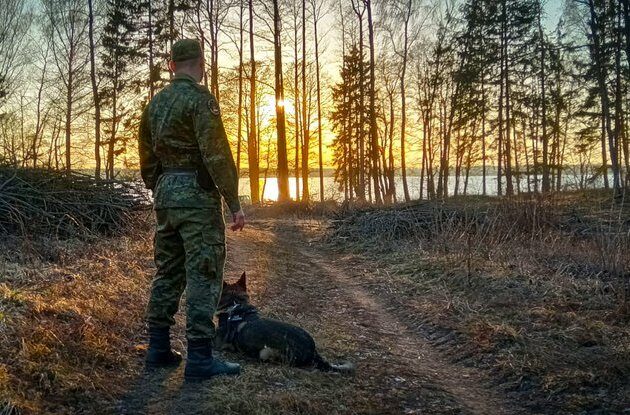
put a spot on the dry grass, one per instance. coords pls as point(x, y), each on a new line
point(68, 327)
point(293, 210)
point(537, 290)
point(532, 291)
point(72, 336)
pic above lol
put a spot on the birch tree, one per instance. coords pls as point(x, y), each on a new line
point(67, 26)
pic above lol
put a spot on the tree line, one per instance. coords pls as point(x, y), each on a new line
point(404, 98)
point(495, 84)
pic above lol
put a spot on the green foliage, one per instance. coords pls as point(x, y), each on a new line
point(120, 56)
point(351, 122)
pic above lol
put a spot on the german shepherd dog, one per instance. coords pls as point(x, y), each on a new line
point(242, 329)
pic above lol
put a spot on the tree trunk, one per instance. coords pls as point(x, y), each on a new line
point(403, 105)
point(252, 146)
point(500, 123)
point(212, 12)
point(56, 135)
point(543, 84)
point(305, 122)
point(69, 112)
point(527, 161)
point(40, 121)
point(619, 122)
point(603, 92)
point(424, 160)
point(483, 136)
point(319, 107)
point(95, 96)
point(509, 185)
point(374, 147)
point(112, 138)
point(151, 50)
point(360, 133)
point(283, 165)
point(170, 11)
point(626, 143)
point(202, 35)
point(391, 180)
point(239, 128)
point(296, 105)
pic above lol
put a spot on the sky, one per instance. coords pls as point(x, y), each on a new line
point(553, 10)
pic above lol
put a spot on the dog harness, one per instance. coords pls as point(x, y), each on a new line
point(237, 314)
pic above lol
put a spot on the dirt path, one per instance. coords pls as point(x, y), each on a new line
point(293, 278)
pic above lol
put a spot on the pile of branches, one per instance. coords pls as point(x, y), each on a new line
point(383, 224)
point(424, 219)
point(60, 204)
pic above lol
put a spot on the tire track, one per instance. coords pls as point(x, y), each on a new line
point(408, 351)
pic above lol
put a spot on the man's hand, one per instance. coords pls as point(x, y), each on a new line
point(238, 220)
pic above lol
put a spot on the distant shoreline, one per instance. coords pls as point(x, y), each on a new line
point(475, 171)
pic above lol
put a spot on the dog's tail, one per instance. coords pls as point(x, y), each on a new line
point(324, 366)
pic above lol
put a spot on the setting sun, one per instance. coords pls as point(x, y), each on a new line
point(270, 106)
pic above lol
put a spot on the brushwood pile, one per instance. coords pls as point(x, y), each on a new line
point(64, 205)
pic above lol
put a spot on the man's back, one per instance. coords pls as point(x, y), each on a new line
point(171, 121)
point(182, 129)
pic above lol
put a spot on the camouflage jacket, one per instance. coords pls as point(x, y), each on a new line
point(182, 128)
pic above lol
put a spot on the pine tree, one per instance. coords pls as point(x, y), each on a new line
point(119, 56)
point(350, 120)
point(157, 32)
point(497, 74)
point(475, 71)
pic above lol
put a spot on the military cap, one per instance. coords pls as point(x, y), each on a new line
point(185, 49)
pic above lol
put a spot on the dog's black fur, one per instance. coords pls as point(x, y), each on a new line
point(242, 328)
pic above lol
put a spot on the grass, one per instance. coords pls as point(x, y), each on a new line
point(72, 337)
point(68, 327)
point(535, 291)
point(293, 209)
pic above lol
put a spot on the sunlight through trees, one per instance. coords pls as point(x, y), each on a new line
point(380, 101)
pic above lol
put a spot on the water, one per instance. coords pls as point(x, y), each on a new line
point(332, 192)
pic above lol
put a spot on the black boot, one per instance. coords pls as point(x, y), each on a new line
point(201, 365)
point(160, 353)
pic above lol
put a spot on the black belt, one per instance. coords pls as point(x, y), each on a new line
point(179, 170)
point(203, 177)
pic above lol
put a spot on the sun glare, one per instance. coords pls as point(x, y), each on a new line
point(270, 107)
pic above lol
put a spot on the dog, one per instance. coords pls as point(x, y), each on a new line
point(242, 329)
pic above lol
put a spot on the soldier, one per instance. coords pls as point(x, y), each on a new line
point(185, 159)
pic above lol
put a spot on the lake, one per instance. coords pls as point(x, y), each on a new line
point(331, 189)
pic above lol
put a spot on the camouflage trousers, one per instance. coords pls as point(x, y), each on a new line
point(189, 248)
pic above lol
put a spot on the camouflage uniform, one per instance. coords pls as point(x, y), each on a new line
point(181, 131)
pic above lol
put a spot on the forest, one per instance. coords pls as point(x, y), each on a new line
point(434, 194)
point(531, 96)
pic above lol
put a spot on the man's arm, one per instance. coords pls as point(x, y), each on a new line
point(215, 150)
point(150, 167)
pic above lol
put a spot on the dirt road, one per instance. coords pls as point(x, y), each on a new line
point(339, 298)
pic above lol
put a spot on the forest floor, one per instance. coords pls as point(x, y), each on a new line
point(425, 335)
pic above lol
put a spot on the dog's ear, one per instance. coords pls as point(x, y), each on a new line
point(225, 285)
point(242, 282)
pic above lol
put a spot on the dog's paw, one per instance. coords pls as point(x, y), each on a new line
point(267, 353)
